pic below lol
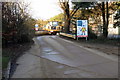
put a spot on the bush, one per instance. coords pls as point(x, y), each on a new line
point(91, 35)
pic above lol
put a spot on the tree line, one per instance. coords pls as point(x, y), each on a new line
point(17, 24)
point(86, 10)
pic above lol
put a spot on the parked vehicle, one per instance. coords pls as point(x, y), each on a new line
point(53, 27)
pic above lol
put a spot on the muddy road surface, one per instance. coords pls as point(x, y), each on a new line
point(55, 57)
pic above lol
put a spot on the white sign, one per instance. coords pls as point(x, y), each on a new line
point(82, 28)
point(36, 25)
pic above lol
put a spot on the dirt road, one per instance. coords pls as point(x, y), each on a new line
point(53, 57)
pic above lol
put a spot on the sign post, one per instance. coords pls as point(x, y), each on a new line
point(82, 28)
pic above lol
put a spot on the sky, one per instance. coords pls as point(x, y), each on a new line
point(44, 9)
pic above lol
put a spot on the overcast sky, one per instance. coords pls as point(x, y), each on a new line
point(44, 9)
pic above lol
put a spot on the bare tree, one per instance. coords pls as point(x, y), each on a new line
point(64, 4)
point(68, 14)
point(14, 18)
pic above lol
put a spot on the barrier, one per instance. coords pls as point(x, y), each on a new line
point(68, 35)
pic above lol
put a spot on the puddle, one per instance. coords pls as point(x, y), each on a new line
point(52, 52)
point(60, 67)
point(60, 59)
point(39, 38)
point(86, 74)
point(53, 36)
point(71, 72)
point(46, 49)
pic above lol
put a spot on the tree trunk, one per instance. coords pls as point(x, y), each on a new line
point(107, 19)
point(104, 20)
point(67, 26)
point(67, 18)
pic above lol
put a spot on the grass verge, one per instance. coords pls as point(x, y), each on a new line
point(5, 61)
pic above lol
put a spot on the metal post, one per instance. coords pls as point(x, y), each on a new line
point(86, 38)
point(77, 38)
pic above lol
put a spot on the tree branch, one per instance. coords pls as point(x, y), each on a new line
point(74, 11)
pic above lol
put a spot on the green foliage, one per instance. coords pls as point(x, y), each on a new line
point(59, 17)
point(91, 35)
point(117, 16)
point(41, 23)
point(5, 61)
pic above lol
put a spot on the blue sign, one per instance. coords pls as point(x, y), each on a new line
point(82, 28)
point(79, 23)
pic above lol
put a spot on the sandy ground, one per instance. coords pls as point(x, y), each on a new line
point(108, 49)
